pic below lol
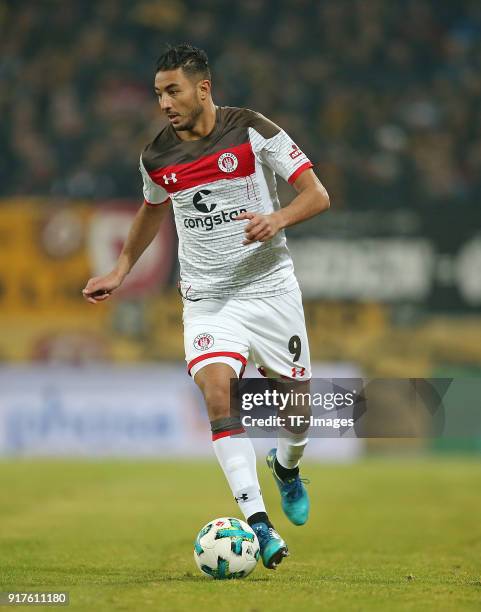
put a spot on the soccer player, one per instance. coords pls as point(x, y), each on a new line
point(216, 166)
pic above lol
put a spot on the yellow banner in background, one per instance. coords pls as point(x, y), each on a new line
point(44, 265)
point(48, 252)
point(43, 259)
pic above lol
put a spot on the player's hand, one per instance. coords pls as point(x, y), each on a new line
point(100, 288)
point(260, 227)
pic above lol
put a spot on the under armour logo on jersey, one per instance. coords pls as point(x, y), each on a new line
point(298, 372)
point(168, 179)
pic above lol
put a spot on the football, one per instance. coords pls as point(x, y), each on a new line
point(226, 548)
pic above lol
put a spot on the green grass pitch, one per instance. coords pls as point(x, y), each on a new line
point(118, 535)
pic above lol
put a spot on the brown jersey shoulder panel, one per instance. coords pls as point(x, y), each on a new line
point(156, 152)
point(248, 118)
point(231, 130)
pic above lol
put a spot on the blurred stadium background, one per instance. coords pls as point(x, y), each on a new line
point(382, 96)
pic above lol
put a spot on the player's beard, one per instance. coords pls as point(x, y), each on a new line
point(191, 120)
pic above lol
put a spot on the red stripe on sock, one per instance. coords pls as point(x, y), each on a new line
point(224, 434)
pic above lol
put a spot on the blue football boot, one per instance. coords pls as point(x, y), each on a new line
point(272, 547)
point(295, 501)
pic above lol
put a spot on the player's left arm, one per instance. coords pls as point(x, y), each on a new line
point(311, 200)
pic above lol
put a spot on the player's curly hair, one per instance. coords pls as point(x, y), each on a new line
point(192, 60)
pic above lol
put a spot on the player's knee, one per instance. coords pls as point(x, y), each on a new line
point(214, 382)
point(217, 402)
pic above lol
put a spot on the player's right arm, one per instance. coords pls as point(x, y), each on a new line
point(144, 228)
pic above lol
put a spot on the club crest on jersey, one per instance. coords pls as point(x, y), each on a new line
point(227, 162)
point(204, 341)
point(172, 178)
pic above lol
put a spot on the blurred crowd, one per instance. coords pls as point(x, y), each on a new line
point(382, 95)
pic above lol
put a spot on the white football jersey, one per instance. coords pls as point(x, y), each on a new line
point(209, 182)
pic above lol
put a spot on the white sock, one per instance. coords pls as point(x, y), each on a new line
point(237, 458)
point(290, 448)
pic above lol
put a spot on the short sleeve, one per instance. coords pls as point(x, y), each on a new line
point(153, 194)
point(280, 153)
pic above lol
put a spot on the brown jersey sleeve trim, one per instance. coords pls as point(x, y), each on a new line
point(265, 127)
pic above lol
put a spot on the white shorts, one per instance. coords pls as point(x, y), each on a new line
point(271, 331)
